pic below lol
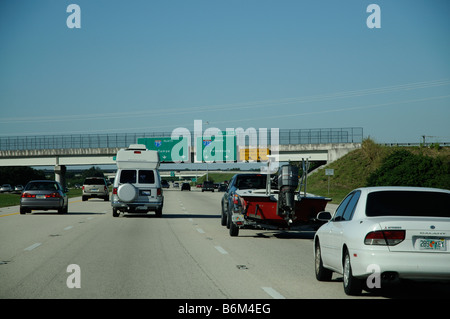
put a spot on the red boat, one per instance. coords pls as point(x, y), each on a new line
point(281, 208)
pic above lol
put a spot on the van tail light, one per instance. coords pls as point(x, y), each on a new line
point(28, 195)
point(385, 237)
point(158, 191)
point(114, 191)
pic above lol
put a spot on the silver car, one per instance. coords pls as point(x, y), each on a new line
point(44, 195)
point(95, 187)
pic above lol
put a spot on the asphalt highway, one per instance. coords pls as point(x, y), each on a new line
point(185, 254)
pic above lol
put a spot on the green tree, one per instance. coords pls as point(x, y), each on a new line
point(402, 168)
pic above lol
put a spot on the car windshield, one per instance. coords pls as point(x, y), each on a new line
point(42, 186)
point(247, 182)
point(408, 203)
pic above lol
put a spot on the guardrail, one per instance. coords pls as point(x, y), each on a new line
point(286, 136)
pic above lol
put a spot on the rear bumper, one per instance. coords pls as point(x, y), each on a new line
point(137, 206)
point(407, 265)
point(48, 203)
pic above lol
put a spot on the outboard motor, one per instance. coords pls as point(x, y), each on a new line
point(287, 184)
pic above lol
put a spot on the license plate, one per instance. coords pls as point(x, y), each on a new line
point(94, 190)
point(431, 244)
point(145, 193)
point(40, 196)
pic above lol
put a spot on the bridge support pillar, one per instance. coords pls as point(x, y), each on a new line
point(60, 174)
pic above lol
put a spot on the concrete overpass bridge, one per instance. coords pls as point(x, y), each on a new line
point(61, 151)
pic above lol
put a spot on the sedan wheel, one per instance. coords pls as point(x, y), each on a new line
point(352, 285)
point(322, 274)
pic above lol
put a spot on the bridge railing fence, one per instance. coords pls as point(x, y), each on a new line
point(120, 140)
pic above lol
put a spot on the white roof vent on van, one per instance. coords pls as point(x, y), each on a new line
point(137, 156)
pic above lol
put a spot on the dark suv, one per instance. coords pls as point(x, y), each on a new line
point(208, 186)
point(95, 187)
point(239, 181)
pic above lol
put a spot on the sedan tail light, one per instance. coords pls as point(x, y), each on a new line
point(53, 195)
point(385, 237)
point(28, 195)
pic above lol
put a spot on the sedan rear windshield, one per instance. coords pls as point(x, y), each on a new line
point(144, 176)
point(408, 203)
point(42, 186)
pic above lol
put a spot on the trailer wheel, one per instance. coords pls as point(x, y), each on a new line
point(234, 229)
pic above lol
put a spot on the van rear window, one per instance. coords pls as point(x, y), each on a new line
point(408, 203)
point(143, 176)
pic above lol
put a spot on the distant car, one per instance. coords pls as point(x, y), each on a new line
point(176, 185)
point(239, 181)
point(95, 187)
point(223, 187)
point(186, 186)
point(18, 188)
point(208, 186)
point(165, 184)
point(44, 195)
point(6, 188)
point(397, 232)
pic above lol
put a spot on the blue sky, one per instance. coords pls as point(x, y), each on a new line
point(155, 65)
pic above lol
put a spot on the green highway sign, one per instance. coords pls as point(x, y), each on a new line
point(170, 150)
point(216, 148)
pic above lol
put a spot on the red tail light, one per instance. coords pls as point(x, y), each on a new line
point(53, 195)
point(114, 191)
point(385, 237)
point(28, 195)
point(158, 192)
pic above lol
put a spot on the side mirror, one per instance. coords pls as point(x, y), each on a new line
point(323, 216)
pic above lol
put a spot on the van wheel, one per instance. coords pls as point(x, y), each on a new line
point(116, 213)
point(158, 212)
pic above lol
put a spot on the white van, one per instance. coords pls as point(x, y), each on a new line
point(137, 186)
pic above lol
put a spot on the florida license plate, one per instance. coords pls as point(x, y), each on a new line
point(432, 244)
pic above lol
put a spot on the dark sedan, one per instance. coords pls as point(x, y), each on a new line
point(44, 195)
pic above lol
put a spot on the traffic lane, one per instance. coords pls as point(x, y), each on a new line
point(28, 241)
point(17, 231)
point(126, 257)
point(284, 260)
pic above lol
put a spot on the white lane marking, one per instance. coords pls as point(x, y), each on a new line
point(68, 227)
point(201, 231)
point(273, 293)
point(221, 250)
point(29, 248)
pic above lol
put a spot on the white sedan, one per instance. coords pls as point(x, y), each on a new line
point(385, 233)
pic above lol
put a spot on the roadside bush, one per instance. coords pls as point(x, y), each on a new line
point(402, 168)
